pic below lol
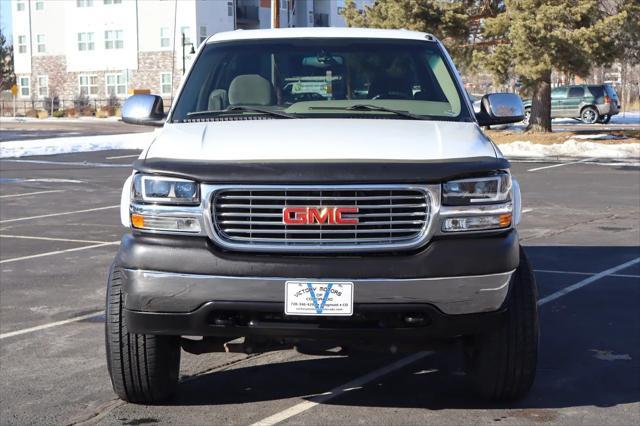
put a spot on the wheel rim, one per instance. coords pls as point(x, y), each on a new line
point(589, 116)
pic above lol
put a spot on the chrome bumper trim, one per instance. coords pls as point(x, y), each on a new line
point(165, 291)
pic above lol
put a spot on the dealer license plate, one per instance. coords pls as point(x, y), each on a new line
point(331, 298)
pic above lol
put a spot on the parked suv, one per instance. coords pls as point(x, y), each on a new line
point(320, 188)
point(589, 103)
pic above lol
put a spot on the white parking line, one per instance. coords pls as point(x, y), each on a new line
point(67, 240)
point(51, 253)
point(122, 156)
point(341, 390)
point(46, 180)
point(587, 281)
point(403, 362)
point(550, 271)
point(25, 194)
point(49, 325)
point(59, 214)
point(69, 163)
point(560, 165)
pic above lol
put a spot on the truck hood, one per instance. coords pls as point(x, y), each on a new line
point(320, 139)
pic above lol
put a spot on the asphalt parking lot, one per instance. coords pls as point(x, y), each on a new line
point(21, 129)
point(59, 230)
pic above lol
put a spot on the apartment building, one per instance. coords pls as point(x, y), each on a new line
point(252, 14)
point(104, 48)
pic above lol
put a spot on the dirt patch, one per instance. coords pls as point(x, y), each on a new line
point(507, 136)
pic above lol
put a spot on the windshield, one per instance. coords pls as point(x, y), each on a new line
point(343, 78)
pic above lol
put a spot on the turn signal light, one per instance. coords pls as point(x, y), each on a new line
point(505, 220)
point(165, 223)
point(137, 220)
point(477, 223)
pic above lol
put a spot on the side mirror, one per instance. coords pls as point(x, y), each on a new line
point(500, 108)
point(143, 109)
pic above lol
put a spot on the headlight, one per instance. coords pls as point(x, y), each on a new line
point(488, 189)
point(477, 223)
point(164, 190)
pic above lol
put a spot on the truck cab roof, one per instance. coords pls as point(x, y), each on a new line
point(319, 33)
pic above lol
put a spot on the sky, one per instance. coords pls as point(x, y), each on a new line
point(5, 18)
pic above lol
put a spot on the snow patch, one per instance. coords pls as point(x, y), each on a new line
point(601, 136)
point(630, 117)
point(58, 119)
point(570, 148)
point(67, 145)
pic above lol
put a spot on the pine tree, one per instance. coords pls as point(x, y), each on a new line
point(534, 37)
point(523, 38)
point(455, 23)
point(7, 77)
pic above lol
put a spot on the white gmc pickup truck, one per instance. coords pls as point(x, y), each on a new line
point(321, 188)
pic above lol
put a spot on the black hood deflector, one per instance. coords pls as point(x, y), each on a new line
point(321, 172)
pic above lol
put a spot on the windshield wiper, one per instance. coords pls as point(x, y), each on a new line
point(366, 107)
point(239, 108)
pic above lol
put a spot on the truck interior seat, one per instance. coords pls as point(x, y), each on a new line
point(250, 89)
point(217, 100)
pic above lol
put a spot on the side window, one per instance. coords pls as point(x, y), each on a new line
point(559, 93)
point(576, 92)
point(597, 92)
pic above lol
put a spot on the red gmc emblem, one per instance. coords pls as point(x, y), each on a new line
point(318, 215)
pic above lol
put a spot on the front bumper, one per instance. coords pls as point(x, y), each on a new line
point(188, 286)
point(170, 292)
point(371, 324)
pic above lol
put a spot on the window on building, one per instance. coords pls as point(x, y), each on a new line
point(84, 3)
point(22, 44)
point(165, 38)
point(230, 8)
point(85, 41)
point(43, 86)
point(112, 1)
point(187, 34)
point(20, 5)
point(88, 85)
point(25, 86)
point(40, 43)
point(113, 39)
point(165, 83)
point(39, 4)
point(284, 4)
point(116, 84)
point(203, 33)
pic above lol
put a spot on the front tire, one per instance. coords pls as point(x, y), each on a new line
point(589, 115)
point(144, 368)
point(502, 363)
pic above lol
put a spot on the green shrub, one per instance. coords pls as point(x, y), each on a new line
point(58, 113)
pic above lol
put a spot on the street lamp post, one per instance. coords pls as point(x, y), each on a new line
point(184, 44)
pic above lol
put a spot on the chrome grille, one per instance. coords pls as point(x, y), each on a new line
point(388, 217)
